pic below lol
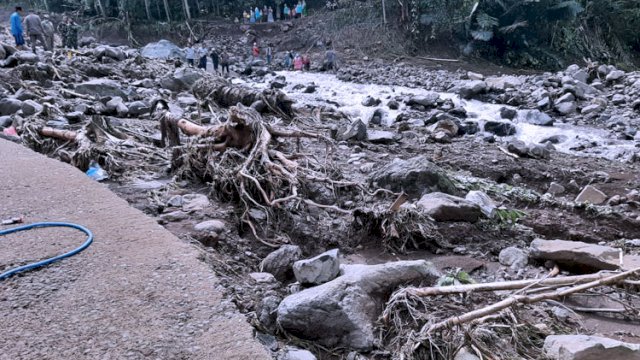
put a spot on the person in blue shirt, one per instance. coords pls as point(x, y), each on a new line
point(16, 27)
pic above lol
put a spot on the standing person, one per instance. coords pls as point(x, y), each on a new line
point(16, 27)
point(287, 12)
point(190, 54)
point(252, 17)
point(257, 14)
point(215, 59)
point(224, 62)
point(255, 51)
point(269, 54)
point(304, 8)
point(278, 13)
point(202, 58)
point(306, 62)
point(49, 31)
point(69, 32)
point(245, 18)
point(297, 63)
point(265, 13)
point(33, 28)
point(270, 15)
point(330, 60)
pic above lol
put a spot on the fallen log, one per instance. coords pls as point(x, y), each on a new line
point(222, 92)
point(66, 135)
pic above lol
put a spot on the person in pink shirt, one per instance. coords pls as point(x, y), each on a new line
point(297, 63)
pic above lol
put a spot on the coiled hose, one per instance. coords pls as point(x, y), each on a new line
point(51, 260)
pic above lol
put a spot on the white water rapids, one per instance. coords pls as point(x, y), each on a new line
point(349, 97)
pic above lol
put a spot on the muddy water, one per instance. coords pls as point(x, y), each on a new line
point(579, 140)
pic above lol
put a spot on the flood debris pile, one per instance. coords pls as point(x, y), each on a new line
point(289, 191)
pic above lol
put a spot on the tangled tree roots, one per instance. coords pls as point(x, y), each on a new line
point(399, 228)
point(221, 92)
point(98, 140)
point(246, 163)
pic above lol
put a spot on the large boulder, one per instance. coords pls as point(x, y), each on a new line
point(9, 106)
point(342, 312)
point(576, 254)
point(535, 117)
point(163, 49)
point(280, 262)
point(356, 131)
point(101, 88)
point(318, 270)
point(471, 88)
point(500, 128)
point(585, 347)
point(427, 100)
point(414, 176)
point(110, 52)
point(445, 207)
point(591, 195)
point(181, 79)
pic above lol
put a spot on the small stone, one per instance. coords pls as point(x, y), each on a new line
point(263, 277)
point(194, 202)
point(175, 201)
point(318, 270)
point(216, 226)
point(513, 257)
point(174, 216)
point(555, 189)
point(280, 262)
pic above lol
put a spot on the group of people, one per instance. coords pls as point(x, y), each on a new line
point(297, 62)
point(42, 31)
point(219, 59)
point(267, 13)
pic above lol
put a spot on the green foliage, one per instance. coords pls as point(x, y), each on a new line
point(508, 216)
point(457, 277)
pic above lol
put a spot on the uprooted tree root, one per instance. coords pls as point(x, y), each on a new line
point(98, 140)
point(250, 161)
point(435, 323)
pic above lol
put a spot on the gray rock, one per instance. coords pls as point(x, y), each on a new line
point(110, 52)
point(580, 75)
point(100, 88)
point(513, 257)
point(5, 121)
point(292, 353)
point(382, 137)
point(318, 270)
point(215, 226)
point(30, 107)
point(370, 101)
point(413, 176)
point(175, 201)
point(469, 89)
point(518, 147)
point(446, 125)
point(267, 310)
point(342, 312)
point(500, 128)
point(503, 82)
point(174, 216)
point(593, 108)
point(194, 202)
point(585, 347)
point(615, 75)
point(280, 262)
point(280, 82)
point(163, 49)
point(181, 79)
point(86, 41)
point(556, 189)
point(487, 205)
point(74, 117)
point(356, 131)
point(263, 278)
point(474, 76)
point(576, 254)
point(393, 105)
point(138, 108)
point(568, 97)
point(618, 99)
point(26, 57)
point(508, 113)
point(566, 108)
point(591, 195)
point(116, 105)
point(535, 117)
point(9, 106)
point(428, 100)
point(445, 207)
point(465, 354)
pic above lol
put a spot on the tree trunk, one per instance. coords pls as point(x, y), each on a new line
point(384, 13)
point(46, 5)
point(166, 10)
point(187, 11)
point(101, 8)
point(148, 10)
